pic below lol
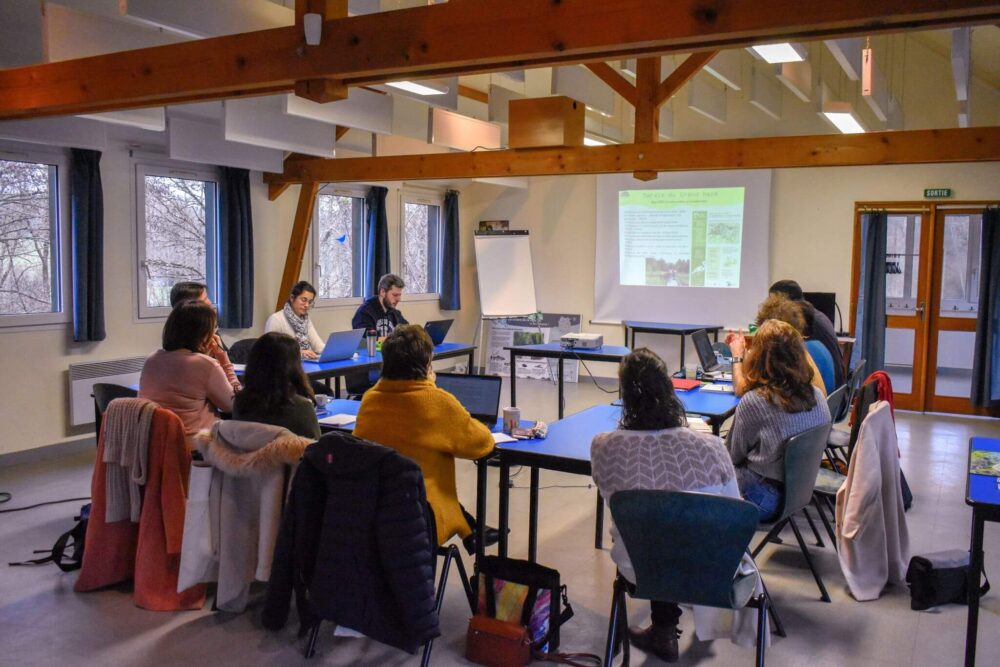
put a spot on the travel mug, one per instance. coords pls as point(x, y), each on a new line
point(372, 340)
point(511, 419)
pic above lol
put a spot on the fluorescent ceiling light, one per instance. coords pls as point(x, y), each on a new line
point(427, 88)
point(590, 141)
point(842, 116)
point(785, 52)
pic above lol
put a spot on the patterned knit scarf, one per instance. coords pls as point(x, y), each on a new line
point(126, 451)
point(300, 325)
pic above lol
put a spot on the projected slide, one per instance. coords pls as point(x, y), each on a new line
point(680, 237)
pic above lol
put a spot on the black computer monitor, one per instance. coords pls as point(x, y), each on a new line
point(824, 302)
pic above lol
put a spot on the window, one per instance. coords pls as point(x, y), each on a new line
point(178, 224)
point(338, 245)
point(31, 232)
point(902, 263)
point(421, 244)
point(960, 264)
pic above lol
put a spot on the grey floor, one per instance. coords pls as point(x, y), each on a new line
point(42, 622)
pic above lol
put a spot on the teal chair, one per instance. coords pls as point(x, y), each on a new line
point(803, 453)
point(685, 548)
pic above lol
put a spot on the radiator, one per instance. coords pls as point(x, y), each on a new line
point(83, 377)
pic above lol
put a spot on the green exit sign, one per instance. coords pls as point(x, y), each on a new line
point(937, 193)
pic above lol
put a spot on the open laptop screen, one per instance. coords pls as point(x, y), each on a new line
point(479, 394)
point(706, 355)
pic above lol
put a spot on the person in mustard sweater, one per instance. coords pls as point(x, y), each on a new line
point(406, 411)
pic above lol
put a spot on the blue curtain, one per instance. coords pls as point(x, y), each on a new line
point(986, 359)
point(87, 221)
point(869, 322)
point(235, 250)
point(377, 233)
point(451, 288)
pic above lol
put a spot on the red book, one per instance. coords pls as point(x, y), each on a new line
point(682, 384)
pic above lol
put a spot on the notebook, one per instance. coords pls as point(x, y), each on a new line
point(682, 384)
point(479, 394)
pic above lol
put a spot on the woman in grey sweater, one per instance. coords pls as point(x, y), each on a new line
point(778, 402)
point(653, 449)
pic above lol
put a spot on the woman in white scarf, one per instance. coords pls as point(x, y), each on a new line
point(293, 320)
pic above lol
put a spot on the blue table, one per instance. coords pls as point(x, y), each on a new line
point(612, 353)
point(668, 328)
point(982, 493)
point(362, 362)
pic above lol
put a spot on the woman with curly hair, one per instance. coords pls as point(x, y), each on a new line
point(779, 401)
point(654, 450)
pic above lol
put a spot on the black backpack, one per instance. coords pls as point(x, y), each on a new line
point(72, 540)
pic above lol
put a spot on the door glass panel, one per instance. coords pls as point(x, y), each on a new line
point(960, 266)
point(899, 358)
point(954, 363)
point(902, 264)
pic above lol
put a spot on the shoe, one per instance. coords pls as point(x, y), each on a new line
point(660, 641)
point(491, 536)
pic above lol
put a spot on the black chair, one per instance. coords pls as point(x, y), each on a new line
point(691, 557)
point(240, 350)
point(802, 454)
point(104, 393)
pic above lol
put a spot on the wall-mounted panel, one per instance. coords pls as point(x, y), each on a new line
point(362, 110)
point(262, 121)
point(68, 132)
point(201, 141)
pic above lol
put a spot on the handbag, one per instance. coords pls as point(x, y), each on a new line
point(495, 643)
point(940, 578)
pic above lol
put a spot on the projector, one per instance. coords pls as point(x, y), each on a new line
point(583, 341)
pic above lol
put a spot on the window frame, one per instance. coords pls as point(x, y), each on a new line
point(359, 271)
point(412, 195)
point(142, 167)
point(61, 244)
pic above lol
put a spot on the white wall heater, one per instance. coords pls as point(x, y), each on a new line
point(83, 377)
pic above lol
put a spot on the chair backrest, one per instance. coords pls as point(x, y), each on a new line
point(855, 380)
point(240, 350)
point(104, 393)
point(803, 452)
point(837, 403)
point(685, 547)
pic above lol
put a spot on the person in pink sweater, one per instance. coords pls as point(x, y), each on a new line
point(190, 291)
point(182, 377)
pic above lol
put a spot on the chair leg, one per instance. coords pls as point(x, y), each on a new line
point(313, 636)
point(779, 628)
point(812, 525)
point(623, 626)
point(464, 576)
point(761, 628)
point(826, 522)
point(771, 534)
point(824, 596)
point(612, 641)
point(450, 552)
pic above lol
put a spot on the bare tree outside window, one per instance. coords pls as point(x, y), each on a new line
point(176, 234)
point(27, 257)
point(420, 247)
point(338, 226)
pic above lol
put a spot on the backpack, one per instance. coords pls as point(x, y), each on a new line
point(73, 539)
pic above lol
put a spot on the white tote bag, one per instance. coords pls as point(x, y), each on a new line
point(197, 554)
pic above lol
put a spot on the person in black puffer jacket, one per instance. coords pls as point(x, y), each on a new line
point(356, 545)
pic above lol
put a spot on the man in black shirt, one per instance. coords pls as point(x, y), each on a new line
point(379, 314)
point(818, 326)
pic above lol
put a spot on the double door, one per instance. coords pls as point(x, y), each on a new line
point(932, 302)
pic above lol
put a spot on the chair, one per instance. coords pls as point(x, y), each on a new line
point(691, 558)
point(104, 393)
point(836, 402)
point(803, 453)
point(450, 553)
point(240, 350)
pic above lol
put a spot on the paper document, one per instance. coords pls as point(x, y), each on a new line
point(339, 419)
point(502, 437)
point(720, 388)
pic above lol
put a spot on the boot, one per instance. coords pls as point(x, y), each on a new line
point(661, 641)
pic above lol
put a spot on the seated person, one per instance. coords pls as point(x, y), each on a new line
point(293, 320)
point(653, 449)
point(182, 377)
point(780, 307)
point(189, 291)
point(379, 314)
point(406, 411)
point(777, 307)
point(817, 327)
point(778, 402)
point(277, 391)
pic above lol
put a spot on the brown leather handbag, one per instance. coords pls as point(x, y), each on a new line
point(497, 643)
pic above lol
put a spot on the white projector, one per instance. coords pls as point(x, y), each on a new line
point(583, 341)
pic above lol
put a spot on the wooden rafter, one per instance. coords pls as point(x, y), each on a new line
point(297, 241)
point(449, 39)
point(647, 121)
point(320, 89)
point(687, 69)
point(828, 150)
point(341, 131)
point(473, 94)
point(614, 79)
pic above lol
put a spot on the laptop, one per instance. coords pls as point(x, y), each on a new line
point(341, 345)
point(479, 394)
point(437, 330)
point(706, 355)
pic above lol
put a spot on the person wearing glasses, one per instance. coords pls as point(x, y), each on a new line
point(192, 291)
point(293, 320)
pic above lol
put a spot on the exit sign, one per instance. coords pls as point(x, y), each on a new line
point(937, 193)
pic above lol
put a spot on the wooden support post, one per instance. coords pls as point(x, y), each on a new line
point(647, 122)
point(275, 190)
point(614, 79)
point(321, 90)
point(682, 75)
point(341, 131)
point(297, 241)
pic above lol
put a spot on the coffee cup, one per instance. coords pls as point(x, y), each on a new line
point(511, 419)
point(322, 400)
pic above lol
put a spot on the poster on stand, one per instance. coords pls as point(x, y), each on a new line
point(531, 330)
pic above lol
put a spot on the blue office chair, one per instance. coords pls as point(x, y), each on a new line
point(803, 453)
point(690, 558)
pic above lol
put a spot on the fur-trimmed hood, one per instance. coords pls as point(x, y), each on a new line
point(245, 449)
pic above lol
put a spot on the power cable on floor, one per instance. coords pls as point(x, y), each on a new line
point(50, 502)
point(5, 497)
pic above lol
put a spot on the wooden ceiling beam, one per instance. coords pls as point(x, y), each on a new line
point(614, 79)
point(473, 94)
point(687, 69)
point(321, 89)
point(976, 144)
point(449, 39)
